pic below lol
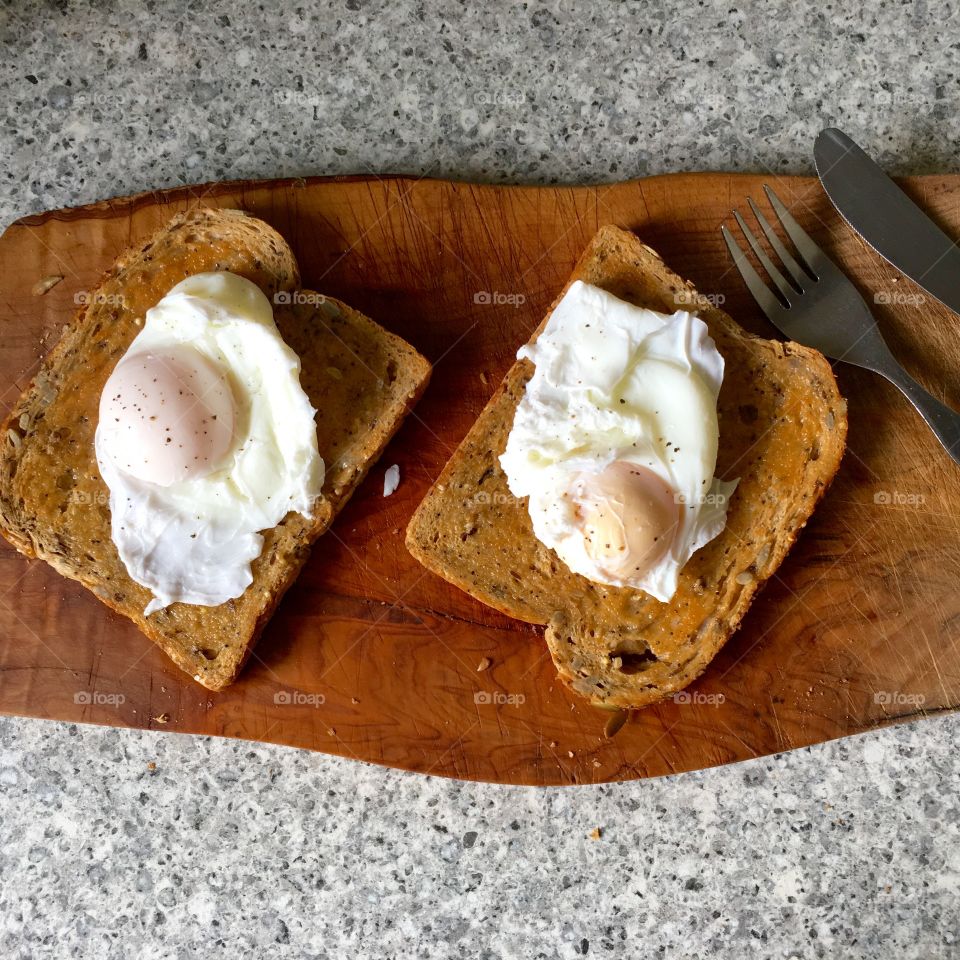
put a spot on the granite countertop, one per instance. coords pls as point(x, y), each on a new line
point(118, 844)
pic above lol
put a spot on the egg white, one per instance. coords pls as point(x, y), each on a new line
point(194, 541)
point(614, 382)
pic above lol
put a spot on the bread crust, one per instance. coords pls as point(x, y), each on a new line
point(53, 503)
point(782, 432)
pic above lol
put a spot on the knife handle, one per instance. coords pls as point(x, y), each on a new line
point(944, 422)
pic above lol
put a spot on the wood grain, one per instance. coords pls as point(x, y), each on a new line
point(373, 658)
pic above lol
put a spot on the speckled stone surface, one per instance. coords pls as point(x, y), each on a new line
point(144, 845)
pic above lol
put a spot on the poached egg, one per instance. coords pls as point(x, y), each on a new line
point(205, 437)
point(615, 440)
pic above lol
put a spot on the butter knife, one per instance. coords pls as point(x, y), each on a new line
point(886, 218)
point(890, 222)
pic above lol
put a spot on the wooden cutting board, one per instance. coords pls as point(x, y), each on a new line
point(373, 658)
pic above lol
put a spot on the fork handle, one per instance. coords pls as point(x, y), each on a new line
point(944, 422)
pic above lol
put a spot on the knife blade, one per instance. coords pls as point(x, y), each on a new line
point(886, 218)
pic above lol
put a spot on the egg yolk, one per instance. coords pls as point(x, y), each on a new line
point(629, 517)
point(168, 416)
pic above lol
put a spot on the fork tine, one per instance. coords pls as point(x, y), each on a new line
point(810, 252)
point(779, 280)
point(800, 276)
point(769, 304)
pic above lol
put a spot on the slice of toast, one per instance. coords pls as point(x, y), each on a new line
point(54, 504)
point(782, 432)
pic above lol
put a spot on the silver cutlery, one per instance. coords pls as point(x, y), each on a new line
point(818, 306)
point(887, 218)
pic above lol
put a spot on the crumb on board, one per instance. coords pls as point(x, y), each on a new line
point(162, 718)
point(484, 664)
point(391, 479)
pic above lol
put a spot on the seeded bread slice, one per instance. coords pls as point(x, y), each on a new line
point(782, 432)
point(53, 502)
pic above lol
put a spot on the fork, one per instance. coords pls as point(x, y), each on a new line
point(819, 307)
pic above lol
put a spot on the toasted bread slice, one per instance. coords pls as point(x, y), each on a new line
point(782, 432)
point(53, 502)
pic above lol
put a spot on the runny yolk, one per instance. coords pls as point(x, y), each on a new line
point(629, 518)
